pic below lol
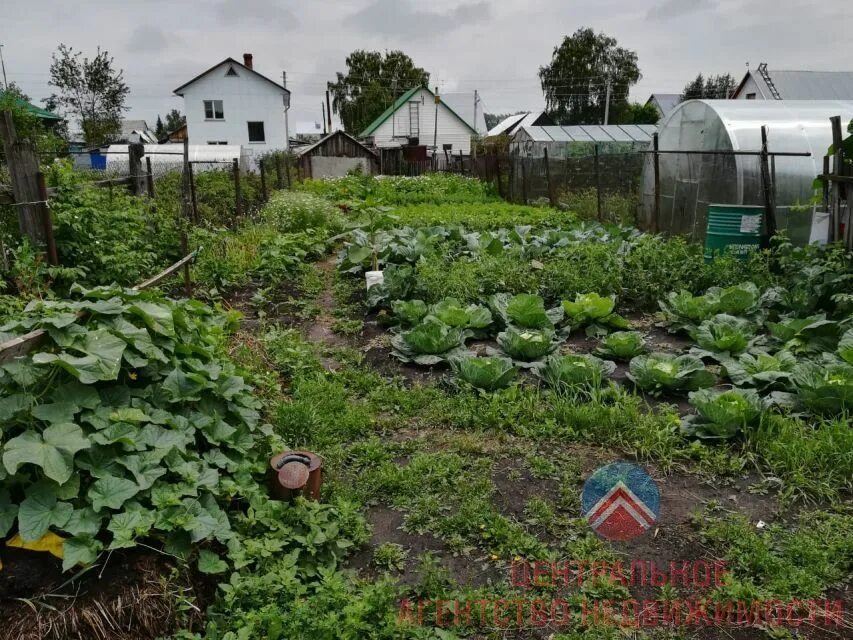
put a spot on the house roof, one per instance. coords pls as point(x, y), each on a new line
point(399, 102)
point(665, 102)
point(510, 124)
point(324, 139)
point(802, 85)
point(43, 114)
point(226, 61)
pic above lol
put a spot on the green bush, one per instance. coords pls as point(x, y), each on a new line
point(297, 211)
point(581, 268)
point(439, 188)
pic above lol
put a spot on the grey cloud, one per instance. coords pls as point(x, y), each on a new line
point(147, 38)
point(270, 13)
point(676, 8)
point(401, 18)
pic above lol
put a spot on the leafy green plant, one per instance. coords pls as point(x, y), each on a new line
point(658, 372)
point(812, 334)
point(763, 371)
point(488, 373)
point(845, 346)
point(408, 313)
point(683, 310)
point(623, 345)
point(525, 310)
point(724, 334)
point(722, 415)
point(571, 371)
point(131, 423)
point(429, 342)
point(455, 314)
point(826, 387)
point(594, 312)
point(527, 346)
point(292, 211)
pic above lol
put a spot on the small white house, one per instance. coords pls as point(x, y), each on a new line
point(232, 104)
point(413, 115)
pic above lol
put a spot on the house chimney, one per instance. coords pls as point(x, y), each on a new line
point(247, 60)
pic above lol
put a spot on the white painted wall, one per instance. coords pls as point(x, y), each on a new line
point(753, 86)
point(245, 98)
point(397, 129)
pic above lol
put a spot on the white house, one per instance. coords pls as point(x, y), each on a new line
point(413, 115)
point(233, 104)
point(767, 84)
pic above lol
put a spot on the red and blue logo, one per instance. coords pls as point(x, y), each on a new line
point(620, 501)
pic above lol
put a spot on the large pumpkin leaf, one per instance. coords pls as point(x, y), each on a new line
point(39, 511)
point(102, 359)
point(112, 492)
point(52, 450)
point(83, 549)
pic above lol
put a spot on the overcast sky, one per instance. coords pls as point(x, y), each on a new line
point(496, 47)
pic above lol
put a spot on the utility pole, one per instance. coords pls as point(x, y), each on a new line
point(607, 103)
point(323, 109)
point(328, 110)
point(435, 135)
point(3, 64)
point(474, 124)
point(286, 110)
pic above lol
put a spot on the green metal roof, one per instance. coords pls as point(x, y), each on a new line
point(403, 99)
point(36, 111)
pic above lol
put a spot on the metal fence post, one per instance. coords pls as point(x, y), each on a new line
point(656, 158)
point(597, 182)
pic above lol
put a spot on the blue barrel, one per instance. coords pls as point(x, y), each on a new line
point(733, 229)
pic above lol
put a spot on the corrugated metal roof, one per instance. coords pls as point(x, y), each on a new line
point(506, 124)
point(812, 85)
point(665, 102)
point(403, 99)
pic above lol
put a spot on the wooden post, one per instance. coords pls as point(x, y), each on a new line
point(238, 194)
point(656, 161)
point(135, 151)
point(47, 222)
point(826, 183)
point(310, 166)
point(835, 189)
point(195, 213)
point(498, 175)
point(23, 170)
point(278, 179)
point(597, 182)
point(287, 170)
point(523, 180)
point(185, 249)
point(767, 188)
point(187, 211)
point(264, 193)
point(149, 178)
point(552, 197)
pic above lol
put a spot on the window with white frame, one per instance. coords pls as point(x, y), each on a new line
point(213, 110)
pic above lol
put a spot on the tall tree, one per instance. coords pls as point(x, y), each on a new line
point(160, 128)
point(717, 87)
point(372, 82)
point(634, 113)
point(92, 91)
point(175, 120)
point(575, 82)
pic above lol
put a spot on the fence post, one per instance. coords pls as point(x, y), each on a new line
point(498, 175)
point(766, 187)
point(238, 194)
point(597, 182)
point(656, 159)
point(287, 170)
point(149, 178)
point(135, 151)
point(263, 180)
point(551, 196)
point(278, 179)
point(523, 180)
point(47, 222)
point(195, 215)
point(186, 185)
point(835, 189)
point(23, 168)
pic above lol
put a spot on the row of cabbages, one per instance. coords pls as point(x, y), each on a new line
point(770, 361)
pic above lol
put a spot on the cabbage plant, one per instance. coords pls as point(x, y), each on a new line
point(805, 335)
point(622, 345)
point(573, 371)
point(658, 372)
point(408, 313)
point(826, 387)
point(455, 314)
point(488, 374)
point(763, 371)
point(429, 343)
point(845, 347)
point(683, 310)
point(525, 310)
point(724, 334)
point(594, 312)
point(527, 346)
point(739, 300)
point(722, 415)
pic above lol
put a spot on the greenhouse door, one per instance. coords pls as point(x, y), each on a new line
point(684, 208)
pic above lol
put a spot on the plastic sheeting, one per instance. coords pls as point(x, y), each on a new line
point(689, 183)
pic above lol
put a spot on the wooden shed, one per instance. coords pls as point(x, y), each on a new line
point(335, 155)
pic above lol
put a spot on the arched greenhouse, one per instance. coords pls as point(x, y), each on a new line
point(690, 182)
